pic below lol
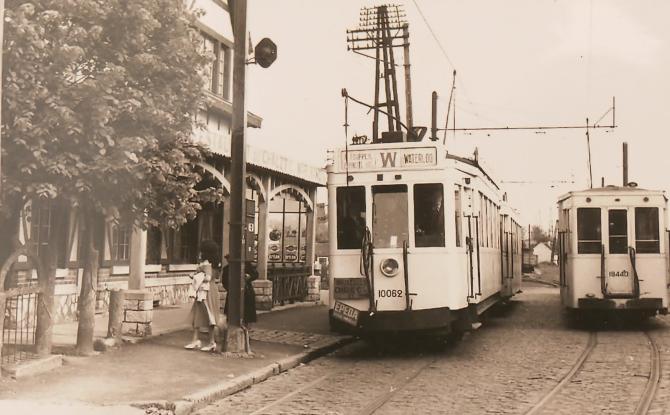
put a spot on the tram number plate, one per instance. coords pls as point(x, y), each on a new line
point(345, 313)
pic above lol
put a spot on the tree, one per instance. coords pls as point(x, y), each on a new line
point(99, 103)
point(538, 235)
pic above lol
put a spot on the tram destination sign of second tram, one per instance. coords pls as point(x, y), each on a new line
point(389, 159)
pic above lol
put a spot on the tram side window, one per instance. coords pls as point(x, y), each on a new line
point(589, 235)
point(428, 215)
point(646, 230)
point(618, 230)
point(390, 227)
point(350, 217)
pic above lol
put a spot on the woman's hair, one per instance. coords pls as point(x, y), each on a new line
point(210, 251)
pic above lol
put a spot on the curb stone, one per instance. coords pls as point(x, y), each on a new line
point(195, 401)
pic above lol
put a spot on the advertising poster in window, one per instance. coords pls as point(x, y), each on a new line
point(303, 238)
point(275, 234)
point(291, 237)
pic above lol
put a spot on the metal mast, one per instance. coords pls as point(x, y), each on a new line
point(382, 29)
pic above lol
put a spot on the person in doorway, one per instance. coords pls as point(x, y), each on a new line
point(203, 290)
point(250, 274)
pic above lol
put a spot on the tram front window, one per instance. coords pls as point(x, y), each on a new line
point(428, 215)
point(646, 230)
point(389, 216)
point(589, 239)
point(350, 217)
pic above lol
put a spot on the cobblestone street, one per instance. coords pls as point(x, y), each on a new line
point(520, 355)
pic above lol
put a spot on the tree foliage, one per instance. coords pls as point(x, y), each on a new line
point(99, 103)
point(539, 235)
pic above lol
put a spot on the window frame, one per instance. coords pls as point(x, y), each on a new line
point(609, 231)
point(580, 241)
point(374, 231)
point(416, 214)
point(656, 229)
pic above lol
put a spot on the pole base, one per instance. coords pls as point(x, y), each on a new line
point(236, 341)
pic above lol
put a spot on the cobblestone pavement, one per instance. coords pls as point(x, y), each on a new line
point(291, 337)
point(521, 352)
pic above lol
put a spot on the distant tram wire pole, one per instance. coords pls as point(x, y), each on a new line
point(451, 96)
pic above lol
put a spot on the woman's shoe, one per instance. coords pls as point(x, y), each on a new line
point(209, 348)
point(195, 345)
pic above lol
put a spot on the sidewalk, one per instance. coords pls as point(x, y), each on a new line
point(159, 370)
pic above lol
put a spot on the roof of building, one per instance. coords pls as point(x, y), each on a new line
point(219, 143)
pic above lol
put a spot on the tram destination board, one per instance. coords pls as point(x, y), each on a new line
point(345, 313)
point(350, 288)
point(389, 159)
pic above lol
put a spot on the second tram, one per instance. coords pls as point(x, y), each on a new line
point(421, 240)
point(612, 250)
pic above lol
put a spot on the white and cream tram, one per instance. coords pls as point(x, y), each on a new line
point(612, 250)
point(420, 240)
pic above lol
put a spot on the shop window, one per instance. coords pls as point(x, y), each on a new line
point(589, 239)
point(618, 231)
point(184, 243)
point(287, 231)
point(428, 215)
point(120, 243)
point(350, 217)
point(41, 218)
point(154, 242)
point(389, 216)
point(646, 230)
point(40, 227)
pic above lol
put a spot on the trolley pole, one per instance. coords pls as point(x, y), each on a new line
point(236, 339)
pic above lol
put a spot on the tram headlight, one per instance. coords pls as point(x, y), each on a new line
point(389, 267)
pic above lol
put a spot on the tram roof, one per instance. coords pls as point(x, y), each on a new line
point(611, 190)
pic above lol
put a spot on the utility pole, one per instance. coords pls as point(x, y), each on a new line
point(236, 340)
point(2, 31)
point(409, 118)
point(380, 30)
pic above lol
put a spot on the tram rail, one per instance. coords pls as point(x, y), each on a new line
point(650, 389)
point(654, 378)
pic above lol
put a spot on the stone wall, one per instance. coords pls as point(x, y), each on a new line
point(168, 288)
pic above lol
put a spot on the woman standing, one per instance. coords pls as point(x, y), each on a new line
point(250, 274)
point(204, 291)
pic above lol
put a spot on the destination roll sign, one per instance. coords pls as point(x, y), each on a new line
point(389, 159)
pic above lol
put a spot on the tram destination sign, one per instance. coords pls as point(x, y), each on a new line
point(350, 288)
point(388, 159)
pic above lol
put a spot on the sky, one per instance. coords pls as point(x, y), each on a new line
point(518, 63)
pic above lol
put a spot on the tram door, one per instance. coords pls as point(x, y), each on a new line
point(471, 213)
point(617, 269)
point(505, 256)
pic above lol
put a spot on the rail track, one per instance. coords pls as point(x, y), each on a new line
point(645, 400)
point(377, 401)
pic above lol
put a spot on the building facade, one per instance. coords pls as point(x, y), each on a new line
point(280, 228)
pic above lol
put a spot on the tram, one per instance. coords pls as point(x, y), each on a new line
point(612, 250)
point(421, 240)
